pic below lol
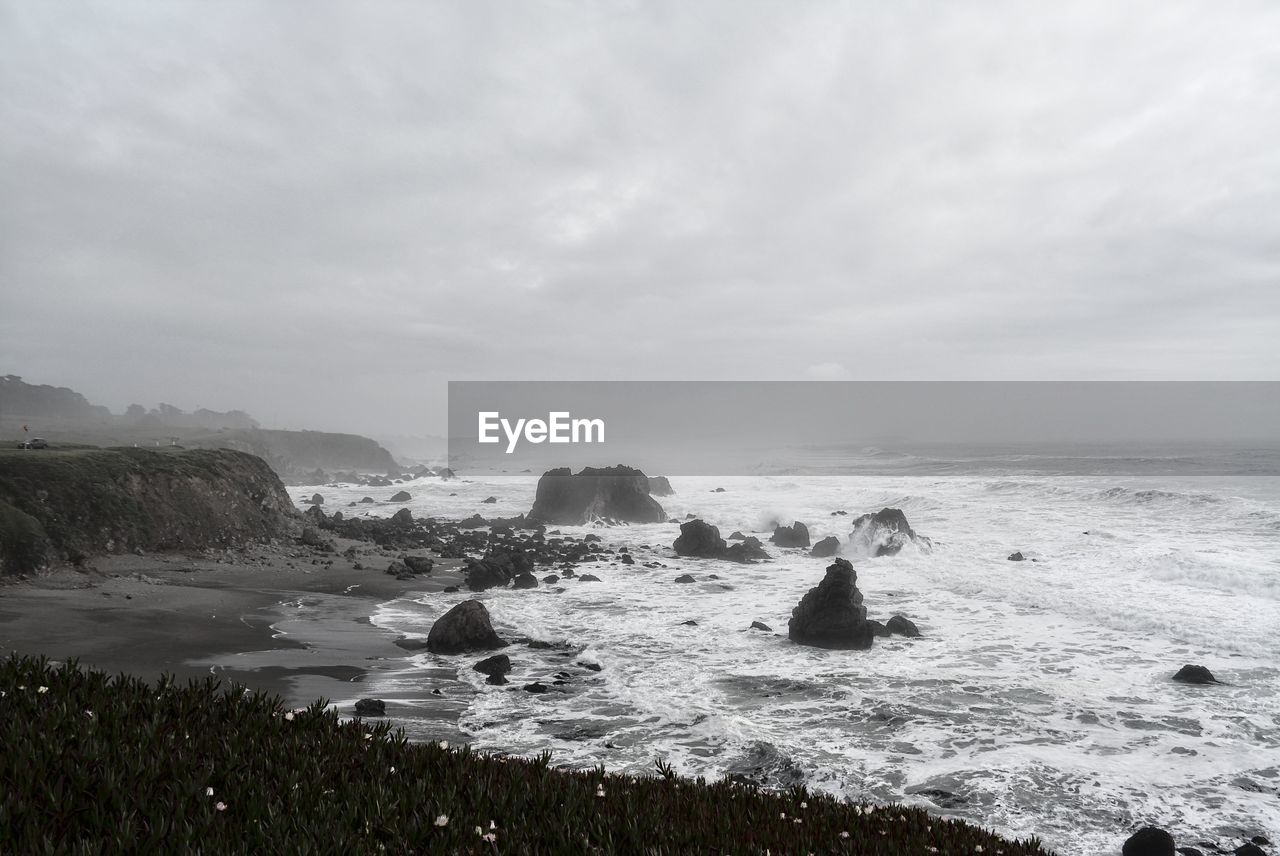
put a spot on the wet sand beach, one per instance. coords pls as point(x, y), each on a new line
point(284, 620)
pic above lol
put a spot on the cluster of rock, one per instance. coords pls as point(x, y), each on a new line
point(883, 533)
point(701, 540)
point(508, 547)
point(831, 614)
point(502, 564)
point(394, 475)
point(607, 494)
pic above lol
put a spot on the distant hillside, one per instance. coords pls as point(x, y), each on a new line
point(23, 401)
point(65, 505)
point(295, 455)
point(63, 416)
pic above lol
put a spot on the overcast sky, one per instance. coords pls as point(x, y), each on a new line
point(322, 212)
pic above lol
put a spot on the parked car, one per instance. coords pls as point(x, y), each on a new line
point(34, 443)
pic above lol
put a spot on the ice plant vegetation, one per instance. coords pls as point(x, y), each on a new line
point(141, 776)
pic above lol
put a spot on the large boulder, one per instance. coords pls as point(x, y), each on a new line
point(831, 615)
point(1149, 841)
point(659, 486)
point(619, 494)
point(401, 496)
point(795, 535)
point(884, 533)
point(498, 664)
point(826, 548)
point(418, 564)
point(464, 628)
point(371, 707)
point(699, 539)
point(902, 626)
point(1190, 674)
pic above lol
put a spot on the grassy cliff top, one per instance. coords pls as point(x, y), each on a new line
point(100, 763)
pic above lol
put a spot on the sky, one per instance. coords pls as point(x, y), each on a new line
point(323, 212)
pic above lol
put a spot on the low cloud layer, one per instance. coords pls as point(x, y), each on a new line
point(322, 212)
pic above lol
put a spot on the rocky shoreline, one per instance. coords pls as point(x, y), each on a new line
point(290, 615)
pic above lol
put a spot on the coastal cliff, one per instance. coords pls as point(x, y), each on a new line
point(66, 505)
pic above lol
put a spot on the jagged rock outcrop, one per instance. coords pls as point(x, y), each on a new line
point(699, 539)
point(884, 533)
point(831, 614)
point(466, 627)
point(795, 535)
point(615, 494)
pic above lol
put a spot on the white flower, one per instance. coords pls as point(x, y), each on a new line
point(208, 792)
point(804, 805)
point(977, 848)
point(393, 769)
point(444, 744)
point(490, 837)
point(89, 714)
point(844, 835)
point(599, 790)
point(442, 820)
point(783, 815)
point(42, 690)
point(493, 825)
point(479, 831)
point(288, 717)
point(221, 806)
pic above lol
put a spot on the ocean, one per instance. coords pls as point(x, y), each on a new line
point(1038, 700)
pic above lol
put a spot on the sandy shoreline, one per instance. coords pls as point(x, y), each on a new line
point(285, 620)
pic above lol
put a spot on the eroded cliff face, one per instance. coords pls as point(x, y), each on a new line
point(60, 506)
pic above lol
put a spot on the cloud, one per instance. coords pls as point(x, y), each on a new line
point(827, 371)
point(322, 214)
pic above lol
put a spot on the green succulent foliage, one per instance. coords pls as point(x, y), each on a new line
point(93, 763)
